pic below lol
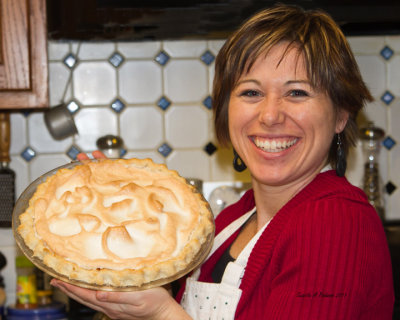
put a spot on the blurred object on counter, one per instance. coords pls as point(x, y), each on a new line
point(78, 311)
point(222, 197)
point(54, 311)
point(100, 316)
point(60, 122)
point(3, 262)
point(43, 288)
point(112, 146)
point(26, 283)
point(197, 183)
point(7, 176)
point(371, 138)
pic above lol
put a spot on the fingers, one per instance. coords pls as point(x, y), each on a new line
point(96, 154)
point(81, 295)
point(82, 156)
point(133, 297)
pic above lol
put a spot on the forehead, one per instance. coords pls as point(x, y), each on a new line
point(280, 58)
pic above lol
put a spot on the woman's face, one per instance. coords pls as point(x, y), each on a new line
point(279, 124)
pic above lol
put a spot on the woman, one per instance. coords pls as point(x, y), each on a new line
point(303, 243)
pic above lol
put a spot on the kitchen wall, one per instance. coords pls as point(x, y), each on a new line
point(156, 96)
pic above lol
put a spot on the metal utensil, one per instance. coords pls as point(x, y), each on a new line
point(7, 176)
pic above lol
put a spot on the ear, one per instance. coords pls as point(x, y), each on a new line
point(341, 120)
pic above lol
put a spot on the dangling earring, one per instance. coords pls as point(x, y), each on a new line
point(341, 163)
point(238, 163)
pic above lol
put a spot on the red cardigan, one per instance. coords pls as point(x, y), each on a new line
point(323, 256)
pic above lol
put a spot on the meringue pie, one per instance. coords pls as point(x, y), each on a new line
point(116, 223)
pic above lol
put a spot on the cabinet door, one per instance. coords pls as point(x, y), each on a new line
point(23, 54)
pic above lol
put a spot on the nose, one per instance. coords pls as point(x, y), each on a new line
point(271, 111)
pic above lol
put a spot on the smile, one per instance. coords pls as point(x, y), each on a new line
point(273, 145)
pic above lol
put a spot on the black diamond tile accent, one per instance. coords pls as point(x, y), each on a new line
point(207, 102)
point(390, 187)
point(165, 150)
point(164, 103)
point(73, 107)
point(162, 58)
point(387, 98)
point(28, 154)
point(386, 53)
point(73, 152)
point(118, 106)
point(210, 148)
point(389, 142)
point(207, 57)
point(116, 59)
point(70, 61)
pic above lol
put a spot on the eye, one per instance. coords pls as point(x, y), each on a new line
point(250, 93)
point(298, 93)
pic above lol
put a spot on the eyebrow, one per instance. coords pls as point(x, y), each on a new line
point(289, 82)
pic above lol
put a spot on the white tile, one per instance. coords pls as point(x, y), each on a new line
point(355, 166)
point(142, 127)
point(147, 49)
point(211, 74)
point(96, 50)
point(94, 83)
point(57, 50)
point(186, 126)
point(9, 273)
point(185, 48)
point(393, 42)
point(6, 238)
point(366, 45)
point(46, 162)
point(393, 200)
point(140, 81)
point(40, 138)
point(22, 179)
point(215, 45)
point(186, 80)
point(190, 163)
point(93, 123)
point(394, 118)
point(222, 168)
point(373, 72)
point(154, 155)
point(375, 112)
point(394, 75)
point(59, 82)
point(18, 129)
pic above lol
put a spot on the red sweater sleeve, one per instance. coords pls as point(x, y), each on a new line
point(331, 262)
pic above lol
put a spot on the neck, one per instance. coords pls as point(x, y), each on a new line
point(270, 199)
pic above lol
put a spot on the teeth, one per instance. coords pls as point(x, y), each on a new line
point(274, 145)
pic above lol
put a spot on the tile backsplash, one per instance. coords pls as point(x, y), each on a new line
point(156, 96)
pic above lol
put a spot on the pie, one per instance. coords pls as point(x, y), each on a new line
point(116, 223)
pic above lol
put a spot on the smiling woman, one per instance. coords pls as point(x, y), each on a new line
point(280, 123)
point(303, 243)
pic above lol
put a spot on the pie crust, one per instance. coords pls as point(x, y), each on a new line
point(116, 223)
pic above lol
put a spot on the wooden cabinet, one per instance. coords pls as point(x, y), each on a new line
point(23, 54)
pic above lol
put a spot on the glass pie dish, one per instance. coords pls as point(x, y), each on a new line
point(23, 203)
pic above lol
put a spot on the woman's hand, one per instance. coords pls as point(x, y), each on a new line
point(96, 154)
point(155, 303)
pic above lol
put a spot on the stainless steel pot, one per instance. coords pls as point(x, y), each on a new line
point(60, 122)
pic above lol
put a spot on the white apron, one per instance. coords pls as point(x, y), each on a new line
point(218, 301)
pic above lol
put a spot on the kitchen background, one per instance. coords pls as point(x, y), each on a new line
point(156, 96)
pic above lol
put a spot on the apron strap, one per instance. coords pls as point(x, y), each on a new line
point(234, 271)
point(224, 235)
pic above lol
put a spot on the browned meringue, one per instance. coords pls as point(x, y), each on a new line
point(116, 223)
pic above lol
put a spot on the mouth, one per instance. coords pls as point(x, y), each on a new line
point(274, 145)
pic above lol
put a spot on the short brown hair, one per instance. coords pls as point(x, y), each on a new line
point(330, 63)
